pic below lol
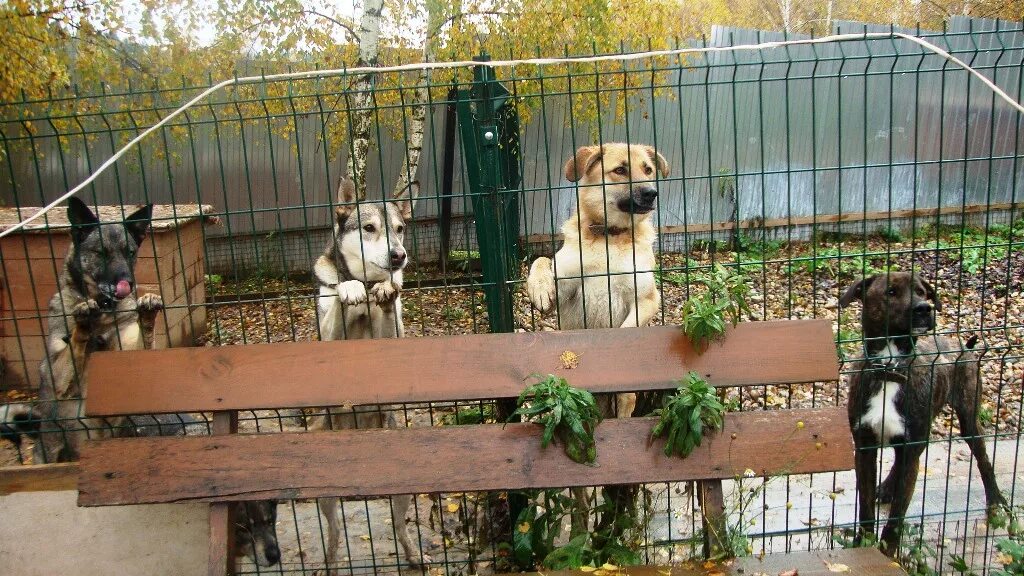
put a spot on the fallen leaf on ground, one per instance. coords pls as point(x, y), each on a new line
point(792, 572)
point(837, 567)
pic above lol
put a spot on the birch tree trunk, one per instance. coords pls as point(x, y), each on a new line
point(786, 7)
point(421, 98)
point(361, 111)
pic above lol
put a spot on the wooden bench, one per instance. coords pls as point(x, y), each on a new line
point(228, 467)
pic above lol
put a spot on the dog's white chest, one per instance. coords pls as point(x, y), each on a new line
point(599, 289)
point(881, 415)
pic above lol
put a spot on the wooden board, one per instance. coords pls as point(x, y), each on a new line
point(478, 366)
point(860, 561)
point(38, 478)
point(382, 462)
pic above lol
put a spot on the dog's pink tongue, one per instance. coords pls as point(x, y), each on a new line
point(123, 289)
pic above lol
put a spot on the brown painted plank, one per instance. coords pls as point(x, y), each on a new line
point(478, 366)
point(38, 478)
point(860, 561)
point(446, 459)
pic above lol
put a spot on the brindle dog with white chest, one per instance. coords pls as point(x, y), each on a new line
point(898, 388)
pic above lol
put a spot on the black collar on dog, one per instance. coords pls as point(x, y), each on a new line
point(892, 375)
point(601, 230)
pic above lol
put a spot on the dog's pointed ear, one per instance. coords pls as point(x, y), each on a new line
point(856, 291)
point(346, 199)
point(932, 295)
point(406, 198)
point(137, 223)
point(658, 160)
point(82, 219)
point(585, 159)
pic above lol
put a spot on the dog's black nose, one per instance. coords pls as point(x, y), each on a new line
point(647, 195)
point(273, 555)
point(397, 257)
point(923, 308)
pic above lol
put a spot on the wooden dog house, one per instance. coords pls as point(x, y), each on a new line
point(170, 263)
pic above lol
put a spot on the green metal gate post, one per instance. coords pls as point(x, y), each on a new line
point(489, 129)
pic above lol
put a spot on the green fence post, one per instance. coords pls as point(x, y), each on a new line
point(490, 141)
point(489, 130)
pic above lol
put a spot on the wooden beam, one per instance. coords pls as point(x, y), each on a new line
point(756, 223)
point(471, 367)
point(221, 558)
point(380, 462)
point(38, 478)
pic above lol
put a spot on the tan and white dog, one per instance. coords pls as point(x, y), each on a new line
point(603, 275)
point(360, 277)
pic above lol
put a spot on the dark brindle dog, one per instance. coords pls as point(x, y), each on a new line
point(899, 387)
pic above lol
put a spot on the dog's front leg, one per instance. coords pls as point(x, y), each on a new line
point(642, 312)
point(86, 316)
point(540, 285)
point(400, 505)
point(386, 292)
point(332, 307)
point(865, 465)
point(149, 307)
point(329, 507)
point(905, 468)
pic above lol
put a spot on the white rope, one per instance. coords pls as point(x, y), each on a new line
point(502, 64)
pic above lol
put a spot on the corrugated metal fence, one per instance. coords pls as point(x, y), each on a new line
point(795, 135)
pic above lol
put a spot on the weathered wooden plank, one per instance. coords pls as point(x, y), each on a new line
point(479, 366)
point(860, 561)
point(446, 459)
point(38, 478)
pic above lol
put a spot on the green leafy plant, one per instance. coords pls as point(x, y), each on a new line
point(452, 313)
point(707, 314)
point(753, 253)
point(476, 414)
point(213, 283)
point(566, 412)
point(463, 259)
point(889, 234)
point(676, 277)
point(1011, 556)
point(537, 537)
point(918, 555)
point(687, 414)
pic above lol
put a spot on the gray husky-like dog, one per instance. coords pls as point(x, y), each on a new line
point(360, 278)
point(94, 309)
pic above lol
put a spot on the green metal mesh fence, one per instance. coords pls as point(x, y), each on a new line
point(807, 168)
